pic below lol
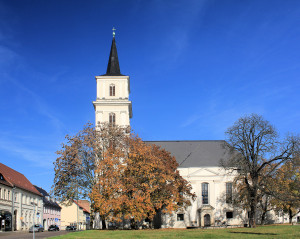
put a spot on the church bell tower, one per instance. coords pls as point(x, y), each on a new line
point(112, 104)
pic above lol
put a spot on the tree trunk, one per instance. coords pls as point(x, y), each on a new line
point(103, 223)
point(133, 224)
point(263, 218)
point(264, 205)
point(290, 215)
point(252, 218)
point(253, 204)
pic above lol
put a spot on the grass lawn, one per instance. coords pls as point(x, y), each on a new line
point(272, 231)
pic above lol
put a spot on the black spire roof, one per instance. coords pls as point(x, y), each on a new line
point(113, 68)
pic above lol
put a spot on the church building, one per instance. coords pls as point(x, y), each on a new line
point(199, 160)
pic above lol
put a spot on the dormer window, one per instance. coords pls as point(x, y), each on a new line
point(112, 119)
point(112, 90)
point(1, 177)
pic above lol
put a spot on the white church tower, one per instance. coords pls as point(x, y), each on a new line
point(112, 104)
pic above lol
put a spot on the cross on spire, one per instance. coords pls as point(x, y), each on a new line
point(114, 33)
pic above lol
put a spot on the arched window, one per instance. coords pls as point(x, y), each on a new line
point(112, 119)
point(204, 193)
point(112, 90)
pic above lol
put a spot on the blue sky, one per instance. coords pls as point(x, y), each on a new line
point(195, 68)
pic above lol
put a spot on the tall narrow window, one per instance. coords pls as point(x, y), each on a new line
point(112, 90)
point(112, 119)
point(204, 193)
point(228, 192)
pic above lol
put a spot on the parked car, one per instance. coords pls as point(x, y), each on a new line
point(36, 228)
point(71, 228)
point(53, 228)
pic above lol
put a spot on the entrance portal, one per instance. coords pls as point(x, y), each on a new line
point(207, 220)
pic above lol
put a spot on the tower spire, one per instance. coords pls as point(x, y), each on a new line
point(113, 67)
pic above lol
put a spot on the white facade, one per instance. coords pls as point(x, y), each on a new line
point(113, 99)
point(21, 204)
point(214, 211)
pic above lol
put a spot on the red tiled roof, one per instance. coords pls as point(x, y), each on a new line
point(84, 204)
point(17, 179)
point(6, 183)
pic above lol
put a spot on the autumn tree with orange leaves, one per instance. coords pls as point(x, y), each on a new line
point(76, 163)
point(284, 188)
point(139, 182)
point(124, 177)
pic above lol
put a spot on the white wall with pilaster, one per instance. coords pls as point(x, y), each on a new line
point(118, 104)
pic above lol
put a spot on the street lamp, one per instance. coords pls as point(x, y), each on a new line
point(13, 209)
point(33, 231)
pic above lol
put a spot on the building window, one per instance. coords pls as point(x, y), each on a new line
point(112, 119)
point(204, 193)
point(180, 217)
point(228, 192)
point(112, 90)
point(229, 215)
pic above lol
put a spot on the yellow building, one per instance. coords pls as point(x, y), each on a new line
point(76, 214)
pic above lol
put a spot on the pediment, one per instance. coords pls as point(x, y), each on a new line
point(206, 208)
point(204, 172)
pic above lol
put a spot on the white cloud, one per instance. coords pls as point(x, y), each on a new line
point(38, 158)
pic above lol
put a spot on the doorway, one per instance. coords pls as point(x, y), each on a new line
point(207, 220)
point(15, 220)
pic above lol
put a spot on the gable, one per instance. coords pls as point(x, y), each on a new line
point(204, 172)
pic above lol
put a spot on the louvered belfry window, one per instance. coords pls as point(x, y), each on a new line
point(112, 90)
